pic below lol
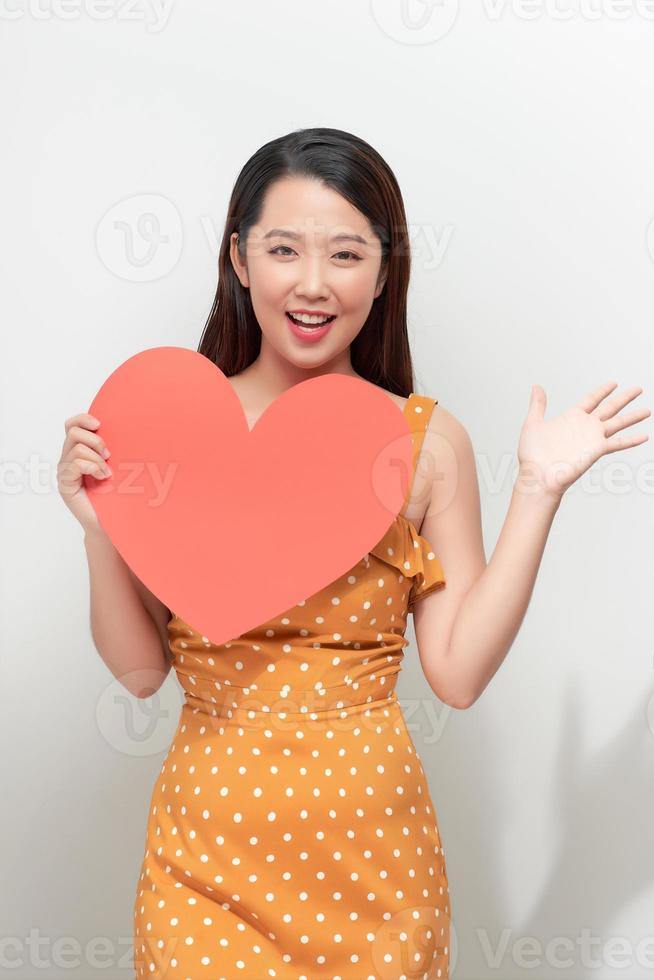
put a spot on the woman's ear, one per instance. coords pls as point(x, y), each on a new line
point(239, 266)
point(381, 282)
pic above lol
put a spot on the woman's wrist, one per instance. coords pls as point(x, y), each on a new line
point(529, 485)
point(95, 535)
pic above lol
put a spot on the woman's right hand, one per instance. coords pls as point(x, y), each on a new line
point(83, 452)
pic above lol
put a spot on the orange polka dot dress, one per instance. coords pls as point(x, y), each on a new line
point(291, 833)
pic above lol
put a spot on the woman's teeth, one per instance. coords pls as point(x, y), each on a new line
point(309, 323)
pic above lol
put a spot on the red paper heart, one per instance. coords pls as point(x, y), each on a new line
point(228, 527)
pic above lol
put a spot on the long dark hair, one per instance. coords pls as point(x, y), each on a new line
point(380, 352)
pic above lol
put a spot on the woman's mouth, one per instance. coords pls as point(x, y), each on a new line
point(309, 331)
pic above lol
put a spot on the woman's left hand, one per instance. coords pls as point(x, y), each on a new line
point(553, 454)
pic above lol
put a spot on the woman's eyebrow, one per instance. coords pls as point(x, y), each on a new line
point(287, 233)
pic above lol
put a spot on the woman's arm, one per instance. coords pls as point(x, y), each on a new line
point(463, 638)
point(128, 623)
point(452, 525)
point(466, 630)
point(492, 612)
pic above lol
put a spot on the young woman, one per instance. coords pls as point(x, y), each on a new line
point(292, 833)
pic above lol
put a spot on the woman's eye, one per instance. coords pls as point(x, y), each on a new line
point(352, 254)
point(275, 251)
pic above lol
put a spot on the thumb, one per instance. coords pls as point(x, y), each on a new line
point(537, 402)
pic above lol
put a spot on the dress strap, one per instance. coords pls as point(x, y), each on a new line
point(417, 410)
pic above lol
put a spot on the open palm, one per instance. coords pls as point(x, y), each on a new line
point(554, 453)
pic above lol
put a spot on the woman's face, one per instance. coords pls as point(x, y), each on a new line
point(312, 250)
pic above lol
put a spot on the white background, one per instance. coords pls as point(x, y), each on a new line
point(522, 139)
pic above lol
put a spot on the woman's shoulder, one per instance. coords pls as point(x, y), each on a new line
point(448, 442)
point(444, 422)
point(441, 419)
point(443, 425)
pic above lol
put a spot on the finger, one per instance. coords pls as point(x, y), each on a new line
point(622, 422)
point(84, 418)
point(616, 404)
point(537, 402)
point(81, 452)
point(621, 442)
point(592, 400)
point(70, 474)
point(77, 434)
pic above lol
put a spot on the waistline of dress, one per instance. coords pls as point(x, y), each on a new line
point(248, 702)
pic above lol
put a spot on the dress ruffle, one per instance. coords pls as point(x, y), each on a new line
point(405, 549)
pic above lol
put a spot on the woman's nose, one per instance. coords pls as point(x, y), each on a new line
point(313, 277)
